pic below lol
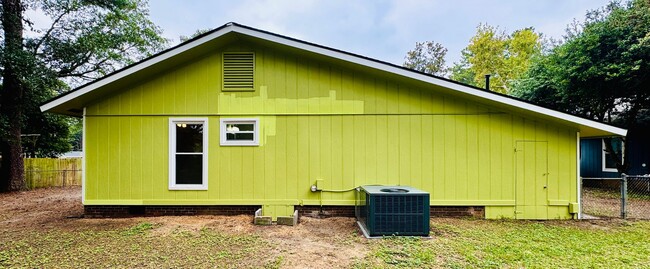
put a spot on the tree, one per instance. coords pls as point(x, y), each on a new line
point(484, 55)
point(85, 39)
point(521, 48)
point(11, 108)
point(427, 57)
point(195, 34)
point(492, 52)
point(461, 72)
point(601, 70)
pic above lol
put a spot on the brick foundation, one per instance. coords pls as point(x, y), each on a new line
point(102, 211)
point(434, 211)
point(457, 211)
point(116, 211)
point(325, 211)
point(106, 211)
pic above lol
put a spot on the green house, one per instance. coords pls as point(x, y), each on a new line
point(239, 118)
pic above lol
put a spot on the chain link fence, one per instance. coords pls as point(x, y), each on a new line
point(637, 202)
point(626, 197)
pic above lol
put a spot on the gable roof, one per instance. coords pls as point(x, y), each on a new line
point(72, 102)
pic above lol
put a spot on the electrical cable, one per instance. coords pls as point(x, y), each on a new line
point(347, 190)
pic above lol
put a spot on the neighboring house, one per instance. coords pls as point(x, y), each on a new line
point(71, 154)
point(595, 163)
point(239, 118)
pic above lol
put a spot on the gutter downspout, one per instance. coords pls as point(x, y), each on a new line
point(83, 157)
point(578, 179)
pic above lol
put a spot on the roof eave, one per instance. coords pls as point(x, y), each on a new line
point(336, 54)
point(122, 73)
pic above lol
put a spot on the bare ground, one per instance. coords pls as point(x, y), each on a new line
point(43, 228)
point(314, 243)
point(607, 203)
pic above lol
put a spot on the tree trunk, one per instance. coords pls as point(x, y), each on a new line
point(13, 173)
point(622, 164)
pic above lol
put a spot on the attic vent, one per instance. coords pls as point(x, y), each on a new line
point(238, 70)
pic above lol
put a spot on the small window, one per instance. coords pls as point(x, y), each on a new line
point(188, 158)
point(239, 132)
point(238, 71)
point(609, 165)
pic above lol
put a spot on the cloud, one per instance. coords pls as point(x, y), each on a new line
point(274, 16)
point(39, 21)
point(384, 29)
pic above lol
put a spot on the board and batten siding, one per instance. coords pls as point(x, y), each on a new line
point(322, 120)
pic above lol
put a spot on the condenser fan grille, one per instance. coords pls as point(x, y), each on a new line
point(384, 212)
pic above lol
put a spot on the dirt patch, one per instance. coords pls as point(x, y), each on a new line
point(607, 203)
point(317, 243)
point(314, 243)
point(41, 208)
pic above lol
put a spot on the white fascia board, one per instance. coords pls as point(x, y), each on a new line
point(433, 80)
point(140, 66)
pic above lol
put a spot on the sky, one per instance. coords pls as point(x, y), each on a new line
point(383, 29)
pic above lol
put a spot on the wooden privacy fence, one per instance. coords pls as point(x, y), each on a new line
point(49, 172)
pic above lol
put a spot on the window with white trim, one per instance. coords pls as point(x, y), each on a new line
point(188, 153)
point(239, 132)
point(609, 164)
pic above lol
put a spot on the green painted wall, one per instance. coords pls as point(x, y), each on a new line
point(325, 120)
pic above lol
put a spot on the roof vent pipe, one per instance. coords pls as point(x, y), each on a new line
point(487, 82)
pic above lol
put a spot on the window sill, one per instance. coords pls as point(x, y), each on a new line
point(188, 188)
point(240, 144)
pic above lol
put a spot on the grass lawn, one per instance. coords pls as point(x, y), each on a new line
point(35, 232)
point(456, 243)
point(461, 243)
point(136, 246)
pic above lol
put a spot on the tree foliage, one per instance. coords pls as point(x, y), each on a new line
point(600, 71)
point(90, 38)
point(427, 57)
point(195, 34)
point(83, 40)
point(492, 52)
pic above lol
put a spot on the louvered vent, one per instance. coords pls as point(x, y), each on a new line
point(238, 70)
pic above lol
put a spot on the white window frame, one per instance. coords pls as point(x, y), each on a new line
point(256, 132)
point(173, 153)
point(604, 156)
